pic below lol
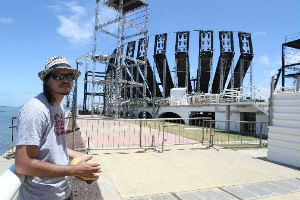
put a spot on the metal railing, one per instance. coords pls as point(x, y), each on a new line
point(229, 96)
point(107, 133)
point(12, 127)
point(228, 132)
point(287, 89)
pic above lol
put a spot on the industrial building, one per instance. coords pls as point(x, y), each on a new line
point(139, 79)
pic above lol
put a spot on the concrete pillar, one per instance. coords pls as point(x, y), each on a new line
point(185, 115)
point(227, 126)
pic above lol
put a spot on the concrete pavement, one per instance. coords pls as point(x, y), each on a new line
point(187, 172)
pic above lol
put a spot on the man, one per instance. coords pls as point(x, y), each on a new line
point(41, 151)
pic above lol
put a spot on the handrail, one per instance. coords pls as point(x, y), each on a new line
point(10, 182)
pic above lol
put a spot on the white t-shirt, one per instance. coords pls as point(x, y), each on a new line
point(43, 125)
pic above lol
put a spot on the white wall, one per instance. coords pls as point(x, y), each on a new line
point(235, 116)
point(284, 134)
point(220, 113)
point(220, 116)
point(261, 117)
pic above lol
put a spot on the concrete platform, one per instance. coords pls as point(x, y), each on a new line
point(194, 172)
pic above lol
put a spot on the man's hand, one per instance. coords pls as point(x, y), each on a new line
point(87, 169)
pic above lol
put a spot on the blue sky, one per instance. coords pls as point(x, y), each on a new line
point(32, 30)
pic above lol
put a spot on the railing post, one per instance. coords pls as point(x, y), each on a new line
point(211, 143)
point(74, 112)
point(210, 135)
point(12, 132)
point(88, 147)
point(73, 132)
point(163, 138)
point(260, 138)
point(140, 134)
point(202, 140)
point(179, 133)
point(227, 130)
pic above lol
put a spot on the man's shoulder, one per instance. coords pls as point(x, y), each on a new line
point(37, 104)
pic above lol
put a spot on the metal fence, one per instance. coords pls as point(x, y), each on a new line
point(227, 132)
point(107, 133)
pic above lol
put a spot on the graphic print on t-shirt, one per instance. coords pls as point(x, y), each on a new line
point(59, 124)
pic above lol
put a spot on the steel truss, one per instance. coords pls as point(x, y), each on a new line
point(244, 62)
point(290, 66)
point(132, 18)
point(128, 80)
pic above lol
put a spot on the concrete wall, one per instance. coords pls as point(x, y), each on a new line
point(220, 116)
point(236, 126)
point(235, 116)
point(261, 117)
point(284, 134)
point(220, 110)
point(232, 126)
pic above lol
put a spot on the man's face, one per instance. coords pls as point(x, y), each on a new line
point(60, 87)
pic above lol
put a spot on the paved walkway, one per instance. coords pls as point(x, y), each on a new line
point(266, 190)
point(194, 172)
point(112, 134)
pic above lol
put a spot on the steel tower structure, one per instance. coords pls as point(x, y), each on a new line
point(244, 62)
point(132, 19)
point(290, 65)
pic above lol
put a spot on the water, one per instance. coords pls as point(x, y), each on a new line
point(5, 123)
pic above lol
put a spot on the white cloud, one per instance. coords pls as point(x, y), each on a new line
point(264, 60)
point(56, 7)
point(260, 33)
point(77, 27)
point(4, 20)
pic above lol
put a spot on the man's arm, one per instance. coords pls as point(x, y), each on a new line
point(72, 154)
point(27, 164)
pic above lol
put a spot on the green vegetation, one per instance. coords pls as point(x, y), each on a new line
point(260, 100)
point(243, 146)
point(195, 132)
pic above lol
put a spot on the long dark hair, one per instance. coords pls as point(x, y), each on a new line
point(47, 91)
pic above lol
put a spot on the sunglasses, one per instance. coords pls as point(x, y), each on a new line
point(61, 76)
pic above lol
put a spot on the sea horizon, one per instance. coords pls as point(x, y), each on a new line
point(2, 106)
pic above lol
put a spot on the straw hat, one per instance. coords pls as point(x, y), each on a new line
point(57, 62)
